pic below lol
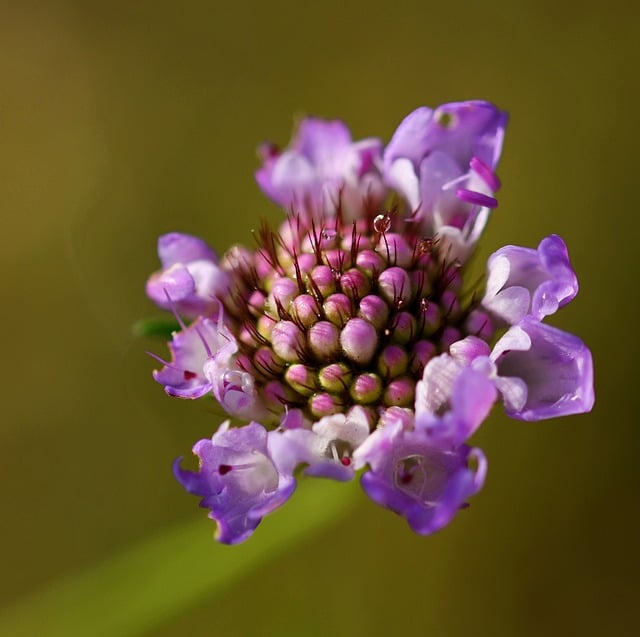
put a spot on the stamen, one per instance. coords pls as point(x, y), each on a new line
point(409, 468)
point(452, 182)
point(207, 349)
point(223, 469)
point(173, 310)
point(485, 173)
point(476, 198)
point(163, 362)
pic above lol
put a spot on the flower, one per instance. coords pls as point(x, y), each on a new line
point(442, 161)
point(348, 339)
point(414, 477)
point(322, 168)
point(524, 282)
point(543, 372)
point(238, 479)
point(190, 280)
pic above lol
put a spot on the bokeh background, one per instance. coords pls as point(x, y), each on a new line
point(123, 120)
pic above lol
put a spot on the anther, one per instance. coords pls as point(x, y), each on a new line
point(485, 173)
point(476, 198)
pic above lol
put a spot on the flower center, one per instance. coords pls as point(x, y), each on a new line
point(332, 317)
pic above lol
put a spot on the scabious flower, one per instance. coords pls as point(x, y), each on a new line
point(348, 340)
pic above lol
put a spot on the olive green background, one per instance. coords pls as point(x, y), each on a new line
point(123, 120)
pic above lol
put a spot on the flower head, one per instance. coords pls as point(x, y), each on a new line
point(349, 340)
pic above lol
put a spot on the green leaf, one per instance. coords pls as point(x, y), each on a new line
point(152, 582)
point(155, 327)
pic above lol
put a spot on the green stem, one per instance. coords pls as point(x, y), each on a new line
point(149, 584)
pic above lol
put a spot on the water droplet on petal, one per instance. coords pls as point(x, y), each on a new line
point(328, 234)
point(382, 223)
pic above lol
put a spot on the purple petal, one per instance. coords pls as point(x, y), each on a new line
point(472, 399)
point(369, 152)
point(322, 141)
point(460, 129)
point(462, 483)
point(176, 247)
point(554, 367)
point(322, 167)
point(190, 280)
point(411, 138)
point(468, 349)
point(401, 175)
point(175, 282)
point(452, 401)
point(525, 282)
point(470, 129)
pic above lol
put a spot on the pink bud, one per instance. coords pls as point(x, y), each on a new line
point(324, 340)
point(395, 286)
point(288, 341)
point(359, 340)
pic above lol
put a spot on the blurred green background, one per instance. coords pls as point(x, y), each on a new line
point(123, 120)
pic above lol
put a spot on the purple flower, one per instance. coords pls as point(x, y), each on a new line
point(350, 341)
point(452, 400)
point(184, 376)
point(421, 482)
point(543, 372)
point(238, 480)
point(442, 161)
point(525, 282)
point(321, 168)
point(327, 447)
point(233, 387)
point(190, 278)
